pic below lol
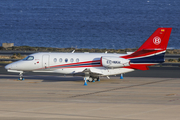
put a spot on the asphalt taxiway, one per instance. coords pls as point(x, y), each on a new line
point(142, 97)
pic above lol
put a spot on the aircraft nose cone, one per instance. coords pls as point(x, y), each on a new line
point(7, 67)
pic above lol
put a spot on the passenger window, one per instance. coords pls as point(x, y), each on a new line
point(72, 60)
point(55, 60)
point(60, 60)
point(77, 60)
point(66, 60)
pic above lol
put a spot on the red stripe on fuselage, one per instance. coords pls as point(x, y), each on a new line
point(79, 63)
point(75, 63)
point(80, 66)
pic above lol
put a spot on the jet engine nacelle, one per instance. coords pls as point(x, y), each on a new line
point(114, 62)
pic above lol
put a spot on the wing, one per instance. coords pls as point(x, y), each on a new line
point(89, 72)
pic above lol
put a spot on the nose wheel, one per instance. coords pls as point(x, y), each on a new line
point(21, 76)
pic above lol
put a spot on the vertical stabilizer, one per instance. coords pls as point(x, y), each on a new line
point(158, 40)
point(152, 51)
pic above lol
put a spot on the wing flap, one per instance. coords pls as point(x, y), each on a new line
point(91, 72)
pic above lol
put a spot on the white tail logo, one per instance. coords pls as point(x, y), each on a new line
point(157, 40)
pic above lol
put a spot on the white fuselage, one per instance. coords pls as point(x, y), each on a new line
point(67, 63)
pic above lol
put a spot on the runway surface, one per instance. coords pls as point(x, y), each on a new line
point(141, 95)
point(46, 97)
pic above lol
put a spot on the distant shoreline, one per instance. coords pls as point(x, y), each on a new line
point(92, 50)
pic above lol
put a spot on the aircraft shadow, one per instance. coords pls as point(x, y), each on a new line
point(45, 78)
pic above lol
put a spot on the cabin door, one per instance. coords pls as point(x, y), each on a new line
point(45, 62)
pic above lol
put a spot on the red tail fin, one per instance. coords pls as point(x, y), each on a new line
point(158, 40)
point(152, 51)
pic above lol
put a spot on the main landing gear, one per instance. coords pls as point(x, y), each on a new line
point(21, 76)
point(90, 79)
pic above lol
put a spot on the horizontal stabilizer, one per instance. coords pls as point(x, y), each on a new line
point(140, 67)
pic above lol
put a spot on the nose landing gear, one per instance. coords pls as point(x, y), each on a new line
point(21, 76)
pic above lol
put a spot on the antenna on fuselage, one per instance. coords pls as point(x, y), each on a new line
point(73, 51)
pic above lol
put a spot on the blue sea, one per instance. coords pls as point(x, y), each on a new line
point(111, 24)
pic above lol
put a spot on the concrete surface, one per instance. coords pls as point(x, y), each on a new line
point(44, 97)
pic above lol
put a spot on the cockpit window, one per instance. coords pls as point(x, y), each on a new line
point(29, 58)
